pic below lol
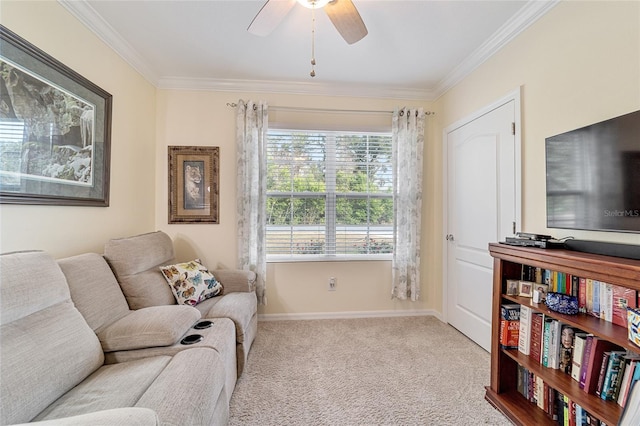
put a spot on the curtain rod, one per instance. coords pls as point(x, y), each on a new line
point(347, 111)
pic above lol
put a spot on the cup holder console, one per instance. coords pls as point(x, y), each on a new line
point(203, 324)
point(191, 339)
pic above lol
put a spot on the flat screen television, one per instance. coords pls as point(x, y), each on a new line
point(593, 176)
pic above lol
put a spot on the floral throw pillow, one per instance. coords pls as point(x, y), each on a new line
point(191, 282)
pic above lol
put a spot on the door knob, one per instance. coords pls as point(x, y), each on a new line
point(449, 237)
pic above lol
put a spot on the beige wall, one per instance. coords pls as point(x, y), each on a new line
point(202, 118)
point(577, 65)
point(64, 231)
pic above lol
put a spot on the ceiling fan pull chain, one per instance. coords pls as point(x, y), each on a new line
point(313, 43)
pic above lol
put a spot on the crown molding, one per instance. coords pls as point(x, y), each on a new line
point(86, 14)
point(294, 87)
point(530, 13)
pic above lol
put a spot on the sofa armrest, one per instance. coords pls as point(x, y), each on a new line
point(148, 328)
point(130, 416)
point(236, 280)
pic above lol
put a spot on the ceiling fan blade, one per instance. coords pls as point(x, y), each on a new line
point(271, 14)
point(347, 20)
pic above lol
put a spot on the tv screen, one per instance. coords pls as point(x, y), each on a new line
point(593, 176)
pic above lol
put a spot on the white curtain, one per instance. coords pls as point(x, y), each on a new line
point(251, 133)
point(408, 141)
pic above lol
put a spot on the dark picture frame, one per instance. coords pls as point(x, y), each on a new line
point(55, 130)
point(193, 184)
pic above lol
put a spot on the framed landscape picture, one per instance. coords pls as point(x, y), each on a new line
point(55, 130)
point(193, 184)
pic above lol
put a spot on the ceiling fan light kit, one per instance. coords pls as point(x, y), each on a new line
point(314, 4)
point(343, 15)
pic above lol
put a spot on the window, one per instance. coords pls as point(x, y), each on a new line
point(11, 150)
point(329, 194)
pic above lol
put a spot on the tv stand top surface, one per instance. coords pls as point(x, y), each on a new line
point(610, 269)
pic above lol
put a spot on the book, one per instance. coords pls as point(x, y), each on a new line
point(535, 352)
point(510, 311)
point(634, 379)
point(585, 360)
point(592, 420)
point(631, 413)
point(555, 344)
point(629, 370)
point(606, 301)
point(581, 415)
point(567, 337)
point(582, 295)
point(603, 369)
point(594, 362)
point(551, 403)
point(589, 297)
point(562, 283)
point(520, 381)
point(539, 393)
point(622, 298)
point(524, 332)
point(575, 285)
point(611, 378)
point(546, 341)
point(558, 407)
point(509, 325)
point(509, 334)
point(578, 351)
point(596, 299)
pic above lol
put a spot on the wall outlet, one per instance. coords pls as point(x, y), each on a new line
point(332, 284)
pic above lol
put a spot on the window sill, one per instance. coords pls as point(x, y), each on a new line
point(323, 258)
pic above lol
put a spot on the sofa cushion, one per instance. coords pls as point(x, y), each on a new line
point(191, 282)
point(111, 386)
point(182, 389)
point(239, 307)
point(148, 327)
point(130, 416)
point(23, 291)
point(94, 289)
point(47, 347)
point(135, 261)
point(174, 397)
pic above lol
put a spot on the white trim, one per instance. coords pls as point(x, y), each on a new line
point(349, 315)
point(530, 13)
point(525, 17)
point(294, 88)
point(516, 96)
point(86, 14)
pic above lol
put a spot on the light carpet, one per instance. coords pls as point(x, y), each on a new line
point(371, 371)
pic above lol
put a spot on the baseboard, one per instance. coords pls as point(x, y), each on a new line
point(349, 315)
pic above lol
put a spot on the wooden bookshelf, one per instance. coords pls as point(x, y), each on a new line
point(502, 392)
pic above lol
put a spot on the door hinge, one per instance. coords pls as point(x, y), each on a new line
point(513, 128)
point(514, 228)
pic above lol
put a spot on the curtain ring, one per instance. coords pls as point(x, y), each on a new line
point(255, 107)
point(401, 112)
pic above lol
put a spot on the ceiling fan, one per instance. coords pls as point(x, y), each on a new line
point(342, 13)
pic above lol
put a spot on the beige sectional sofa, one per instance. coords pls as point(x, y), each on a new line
point(74, 352)
point(135, 262)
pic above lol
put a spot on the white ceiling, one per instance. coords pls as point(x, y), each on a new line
point(414, 50)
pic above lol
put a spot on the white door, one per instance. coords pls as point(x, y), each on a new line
point(481, 208)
